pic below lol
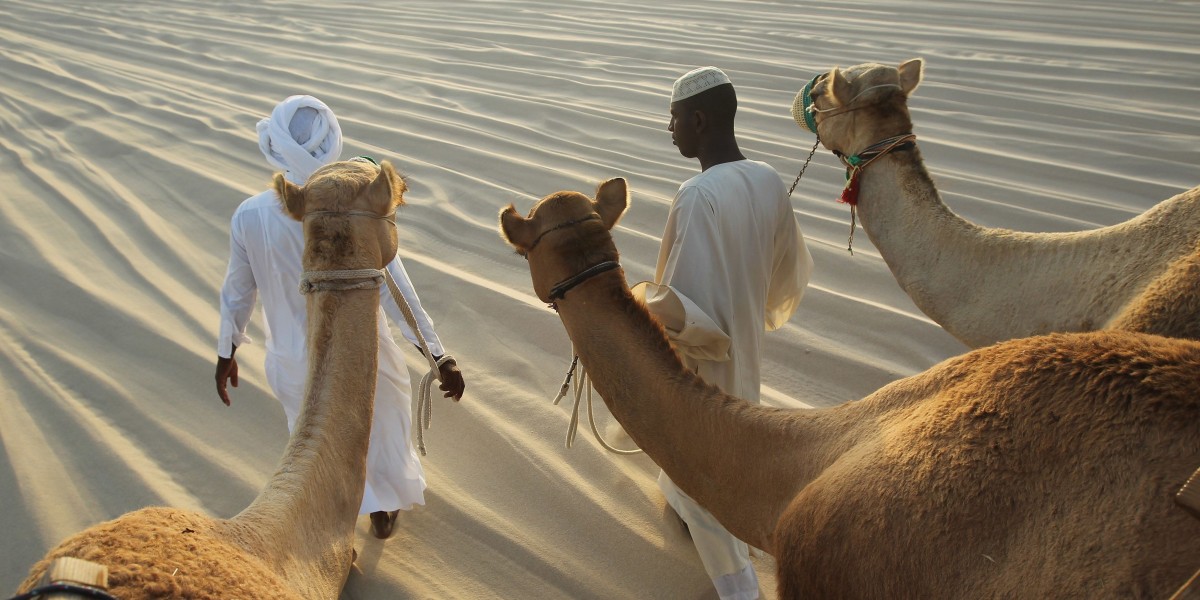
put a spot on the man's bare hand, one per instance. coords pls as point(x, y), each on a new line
point(452, 380)
point(226, 372)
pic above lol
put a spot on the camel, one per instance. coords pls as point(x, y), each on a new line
point(983, 284)
point(295, 540)
point(1038, 467)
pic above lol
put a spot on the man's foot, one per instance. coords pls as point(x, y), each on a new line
point(382, 522)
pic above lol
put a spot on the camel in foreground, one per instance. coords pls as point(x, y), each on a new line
point(1036, 468)
point(982, 284)
point(295, 540)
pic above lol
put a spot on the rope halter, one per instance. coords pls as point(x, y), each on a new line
point(334, 281)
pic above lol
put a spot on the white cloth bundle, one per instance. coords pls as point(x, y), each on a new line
point(301, 135)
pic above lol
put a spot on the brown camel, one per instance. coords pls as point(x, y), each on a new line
point(295, 540)
point(1040, 467)
point(982, 284)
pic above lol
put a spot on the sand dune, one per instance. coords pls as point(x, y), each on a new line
point(127, 139)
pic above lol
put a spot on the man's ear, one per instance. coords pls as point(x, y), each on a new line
point(699, 119)
point(612, 198)
point(291, 196)
point(515, 229)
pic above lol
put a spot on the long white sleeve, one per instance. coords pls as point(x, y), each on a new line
point(396, 268)
point(238, 295)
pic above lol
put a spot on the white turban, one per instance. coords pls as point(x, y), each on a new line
point(301, 136)
point(697, 80)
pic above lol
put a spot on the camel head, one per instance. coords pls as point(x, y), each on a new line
point(566, 234)
point(348, 208)
point(852, 109)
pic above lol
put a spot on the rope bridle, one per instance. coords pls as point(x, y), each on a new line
point(854, 163)
point(335, 281)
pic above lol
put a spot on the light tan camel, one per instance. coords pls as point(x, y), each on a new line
point(1036, 468)
point(983, 284)
point(295, 540)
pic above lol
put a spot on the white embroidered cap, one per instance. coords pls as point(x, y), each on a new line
point(697, 80)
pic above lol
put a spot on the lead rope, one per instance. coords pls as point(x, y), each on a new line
point(582, 384)
point(805, 167)
point(424, 409)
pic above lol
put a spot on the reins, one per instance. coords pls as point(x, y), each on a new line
point(333, 281)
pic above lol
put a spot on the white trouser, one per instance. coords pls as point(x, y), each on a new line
point(725, 558)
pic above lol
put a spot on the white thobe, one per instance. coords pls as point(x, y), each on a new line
point(265, 250)
point(732, 265)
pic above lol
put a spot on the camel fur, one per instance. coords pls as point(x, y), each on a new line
point(1038, 467)
point(984, 284)
point(295, 540)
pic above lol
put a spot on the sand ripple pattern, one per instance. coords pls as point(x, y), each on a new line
point(127, 139)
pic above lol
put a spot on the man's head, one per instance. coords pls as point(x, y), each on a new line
point(301, 135)
point(703, 105)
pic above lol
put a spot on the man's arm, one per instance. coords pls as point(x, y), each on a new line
point(685, 290)
point(452, 382)
point(792, 267)
point(424, 322)
point(238, 295)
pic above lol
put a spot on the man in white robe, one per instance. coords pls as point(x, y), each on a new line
point(301, 135)
point(732, 265)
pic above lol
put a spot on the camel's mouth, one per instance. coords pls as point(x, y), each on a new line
point(803, 111)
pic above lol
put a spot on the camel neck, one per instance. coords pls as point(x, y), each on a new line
point(324, 465)
point(985, 285)
point(709, 443)
point(940, 259)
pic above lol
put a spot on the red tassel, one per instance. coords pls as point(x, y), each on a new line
point(850, 192)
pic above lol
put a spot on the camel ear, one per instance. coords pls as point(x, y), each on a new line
point(291, 196)
point(612, 198)
point(515, 229)
point(838, 87)
point(386, 192)
point(911, 74)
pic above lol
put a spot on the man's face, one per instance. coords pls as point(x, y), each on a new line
point(683, 129)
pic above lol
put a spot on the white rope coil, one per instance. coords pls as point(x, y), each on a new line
point(424, 408)
point(583, 388)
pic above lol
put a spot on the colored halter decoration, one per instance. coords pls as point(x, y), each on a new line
point(854, 166)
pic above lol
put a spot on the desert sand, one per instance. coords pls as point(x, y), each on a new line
point(127, 140)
